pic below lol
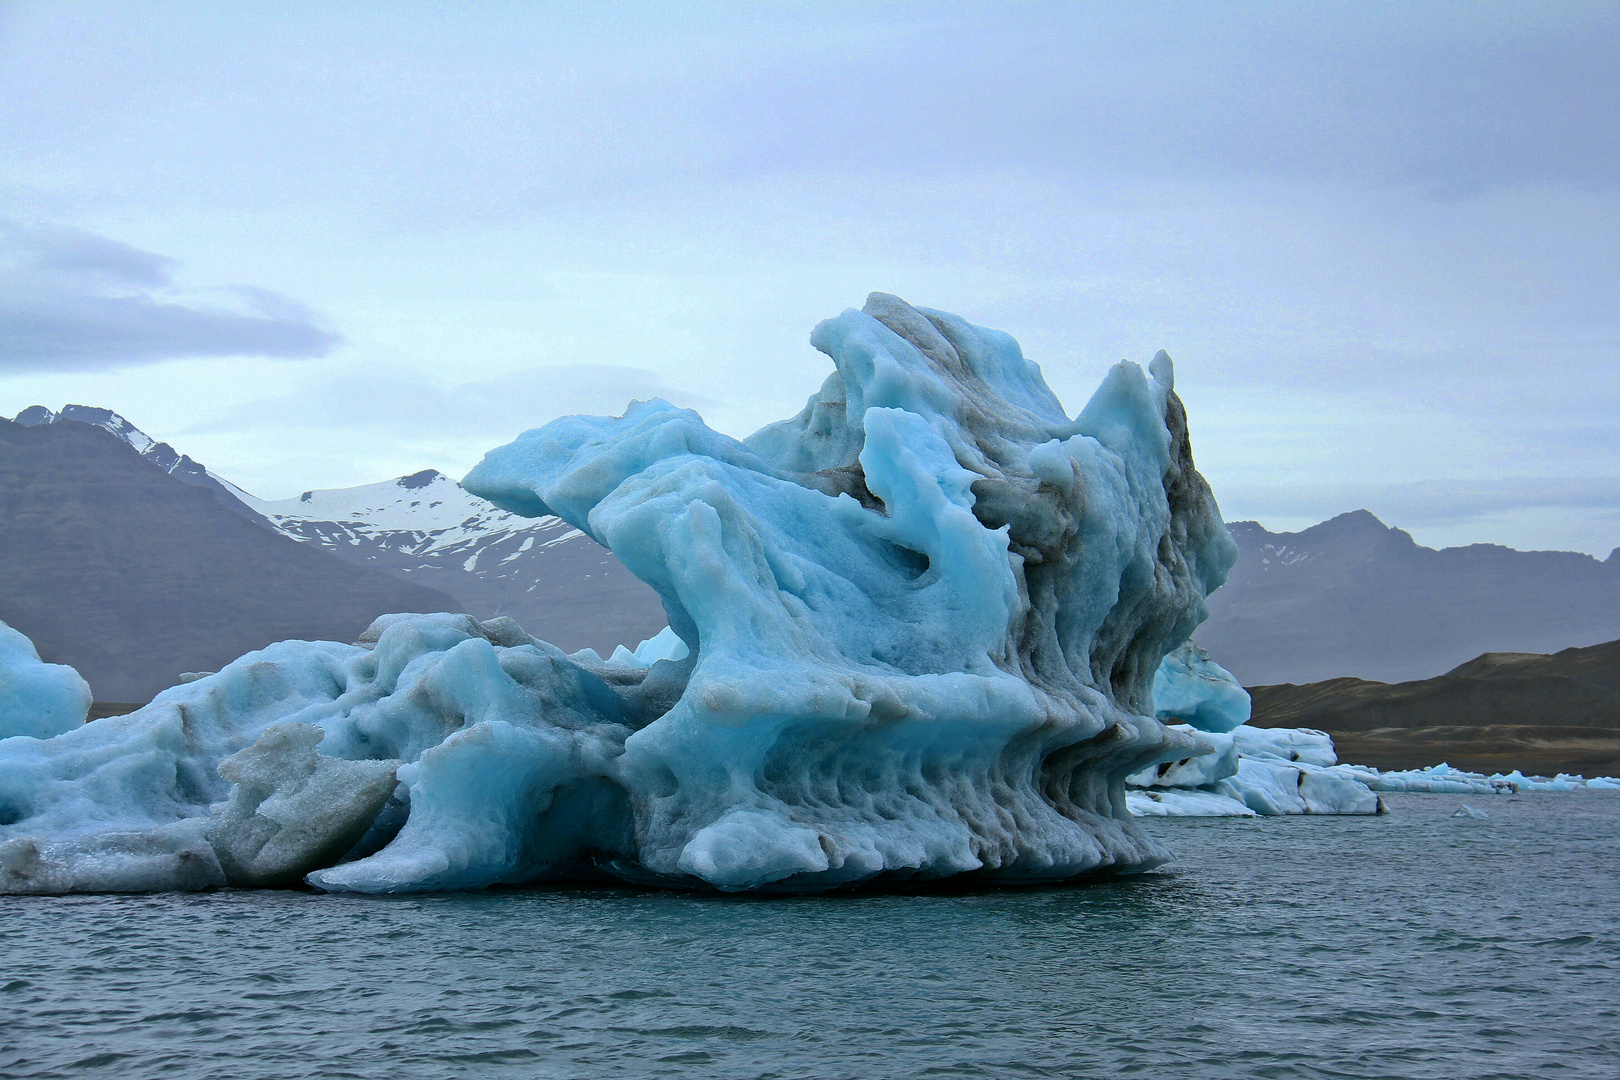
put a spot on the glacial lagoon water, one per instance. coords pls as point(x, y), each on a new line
point(1411, 945)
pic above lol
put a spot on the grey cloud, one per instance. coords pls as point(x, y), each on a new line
point(502, 111)
point(1450, 100)
point(74, 301)
point(1423, 503)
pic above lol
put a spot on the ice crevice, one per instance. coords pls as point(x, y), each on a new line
point(914, 632)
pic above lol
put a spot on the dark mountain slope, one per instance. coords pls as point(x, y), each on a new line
point(161, 454)
point(133, 576)
point(1354, 597)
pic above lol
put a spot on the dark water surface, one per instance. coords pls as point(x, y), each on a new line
point(1414, 945)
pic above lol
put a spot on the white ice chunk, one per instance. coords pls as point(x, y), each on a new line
point(1217, 764)
point(1186, 803)
point(1286, 744)
point(1271, 786)
point(1437, 779)
point(664, 645)
point(1520, 782)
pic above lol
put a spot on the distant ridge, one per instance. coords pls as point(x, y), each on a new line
point(1354, 597)
point(132, 575)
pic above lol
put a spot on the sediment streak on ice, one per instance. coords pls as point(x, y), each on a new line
point(918, 629)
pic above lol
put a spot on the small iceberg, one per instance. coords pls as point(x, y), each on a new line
point(1242, 771)
point(1466, 811)
point(37, 699)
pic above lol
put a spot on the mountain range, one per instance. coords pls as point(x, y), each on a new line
point(1355, 597)
point(1348, 597)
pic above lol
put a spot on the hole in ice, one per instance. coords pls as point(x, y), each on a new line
point(913, 564)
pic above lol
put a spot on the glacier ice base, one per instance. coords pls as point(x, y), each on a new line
point(913, 634)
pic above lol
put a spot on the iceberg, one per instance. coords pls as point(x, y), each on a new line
point(37, 700)
point(1517, 781)
point(913, 633)
point(1435, 779)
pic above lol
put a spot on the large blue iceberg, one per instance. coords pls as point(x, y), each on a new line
point(913, 634)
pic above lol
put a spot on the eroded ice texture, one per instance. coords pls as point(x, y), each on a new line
point(920, 624)
point(37, 699)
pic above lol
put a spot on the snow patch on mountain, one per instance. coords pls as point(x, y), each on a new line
point(425, 514)
point(426, 527)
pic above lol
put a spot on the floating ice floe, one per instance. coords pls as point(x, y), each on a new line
point(37, 699)
point(1245, 771)
point(913, 633)
point(1444, 779)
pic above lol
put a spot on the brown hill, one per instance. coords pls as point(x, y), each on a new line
point(1538, 712)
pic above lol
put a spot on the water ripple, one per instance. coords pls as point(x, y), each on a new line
point(1404, 946)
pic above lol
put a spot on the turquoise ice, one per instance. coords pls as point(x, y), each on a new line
point(37, 699)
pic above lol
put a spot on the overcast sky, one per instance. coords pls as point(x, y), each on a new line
point(315, 246)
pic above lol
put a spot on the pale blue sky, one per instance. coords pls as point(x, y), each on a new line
point(316, 246)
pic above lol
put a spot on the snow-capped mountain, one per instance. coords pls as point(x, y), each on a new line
point(132, 576)
point(557, 583)
point(161, 454)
